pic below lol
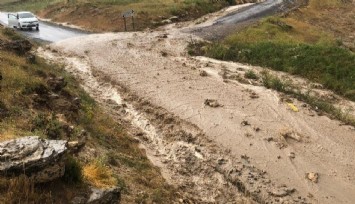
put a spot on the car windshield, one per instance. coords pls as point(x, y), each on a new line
point(26, 15)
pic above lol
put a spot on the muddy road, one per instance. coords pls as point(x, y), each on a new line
point(213, 137)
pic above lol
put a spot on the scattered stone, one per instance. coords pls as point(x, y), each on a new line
point(269, 139)
point(105, 196)
point(279, 157)
point(290, 134)
point(281, 192)
point(212, 103)
point(244, 156)
point(38, 158)
point(245, 123)
point(203, 73)
point(31, 58)
point(56, 84)
point(166, 21)
point(164, 54)
point(312, 177)
point(174, 18)
point(253, 95)
point(292, 155)
point(75, 146)
point(257, 129)
point(248, 134)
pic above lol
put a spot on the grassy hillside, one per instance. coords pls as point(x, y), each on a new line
point(309, 42)
point(106, 15)
point(31, 105)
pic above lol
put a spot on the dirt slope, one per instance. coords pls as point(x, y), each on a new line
point(257, 144)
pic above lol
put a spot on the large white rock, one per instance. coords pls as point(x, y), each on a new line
point(38, 158)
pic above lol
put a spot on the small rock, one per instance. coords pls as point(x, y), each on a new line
point(38, 158)
point(290, 134)
point(292, 155)
point(105, 196)
point(281, 192)
point(253, 95)
point(56, 83)
point(164, 54)
point(212, 103)
point(31, 58)
point(312, 177)
point(203, 73)
point(245, 123)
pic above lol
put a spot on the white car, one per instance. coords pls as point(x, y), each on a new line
point(23, 20)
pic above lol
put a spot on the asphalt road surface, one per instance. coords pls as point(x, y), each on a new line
point(47, 32)
point(243, 17)
point(222, 27)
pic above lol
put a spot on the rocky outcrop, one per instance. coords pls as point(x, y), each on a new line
point(104, 196)
point(38, 158)
point(18, 46)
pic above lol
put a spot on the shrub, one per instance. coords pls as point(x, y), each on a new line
point(73, 171)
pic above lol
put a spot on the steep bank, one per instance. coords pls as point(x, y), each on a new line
point(37, 98)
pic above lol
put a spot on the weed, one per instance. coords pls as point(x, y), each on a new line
point(250, 74)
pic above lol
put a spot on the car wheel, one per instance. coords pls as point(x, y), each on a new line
point(19, 26)
point(37, 28)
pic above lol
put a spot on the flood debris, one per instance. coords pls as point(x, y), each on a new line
point(293, 107)
point(203, 73)
point(212, 103)
point(245, 123)
point(312, 176)
point(289, 134)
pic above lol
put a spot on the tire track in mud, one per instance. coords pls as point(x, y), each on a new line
point(201, 170)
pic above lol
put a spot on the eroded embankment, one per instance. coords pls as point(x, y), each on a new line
point(214, 138)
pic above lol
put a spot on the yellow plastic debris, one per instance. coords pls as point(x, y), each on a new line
point(293, 107)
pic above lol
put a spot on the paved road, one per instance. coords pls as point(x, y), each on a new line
point(48, 32)
point(243, 17)
point(221, 28)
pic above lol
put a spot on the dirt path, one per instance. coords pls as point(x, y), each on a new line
point(217, 140)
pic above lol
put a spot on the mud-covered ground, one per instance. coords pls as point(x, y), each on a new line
point(217, 140)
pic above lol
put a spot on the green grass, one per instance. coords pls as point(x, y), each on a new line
point(331, 66)
point(273, 82)
point(290, 46)
point(23, 86)
point(29, 5)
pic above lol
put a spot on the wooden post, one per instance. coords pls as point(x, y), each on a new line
point(125, 24)
point(134, 29)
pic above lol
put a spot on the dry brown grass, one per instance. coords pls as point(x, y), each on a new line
point(21, 190)
point(99, 175)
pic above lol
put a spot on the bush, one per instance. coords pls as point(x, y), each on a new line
point(73, 171)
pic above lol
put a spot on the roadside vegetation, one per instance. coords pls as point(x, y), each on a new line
point(106, 15)
point(295, 46)
point(41, 99)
